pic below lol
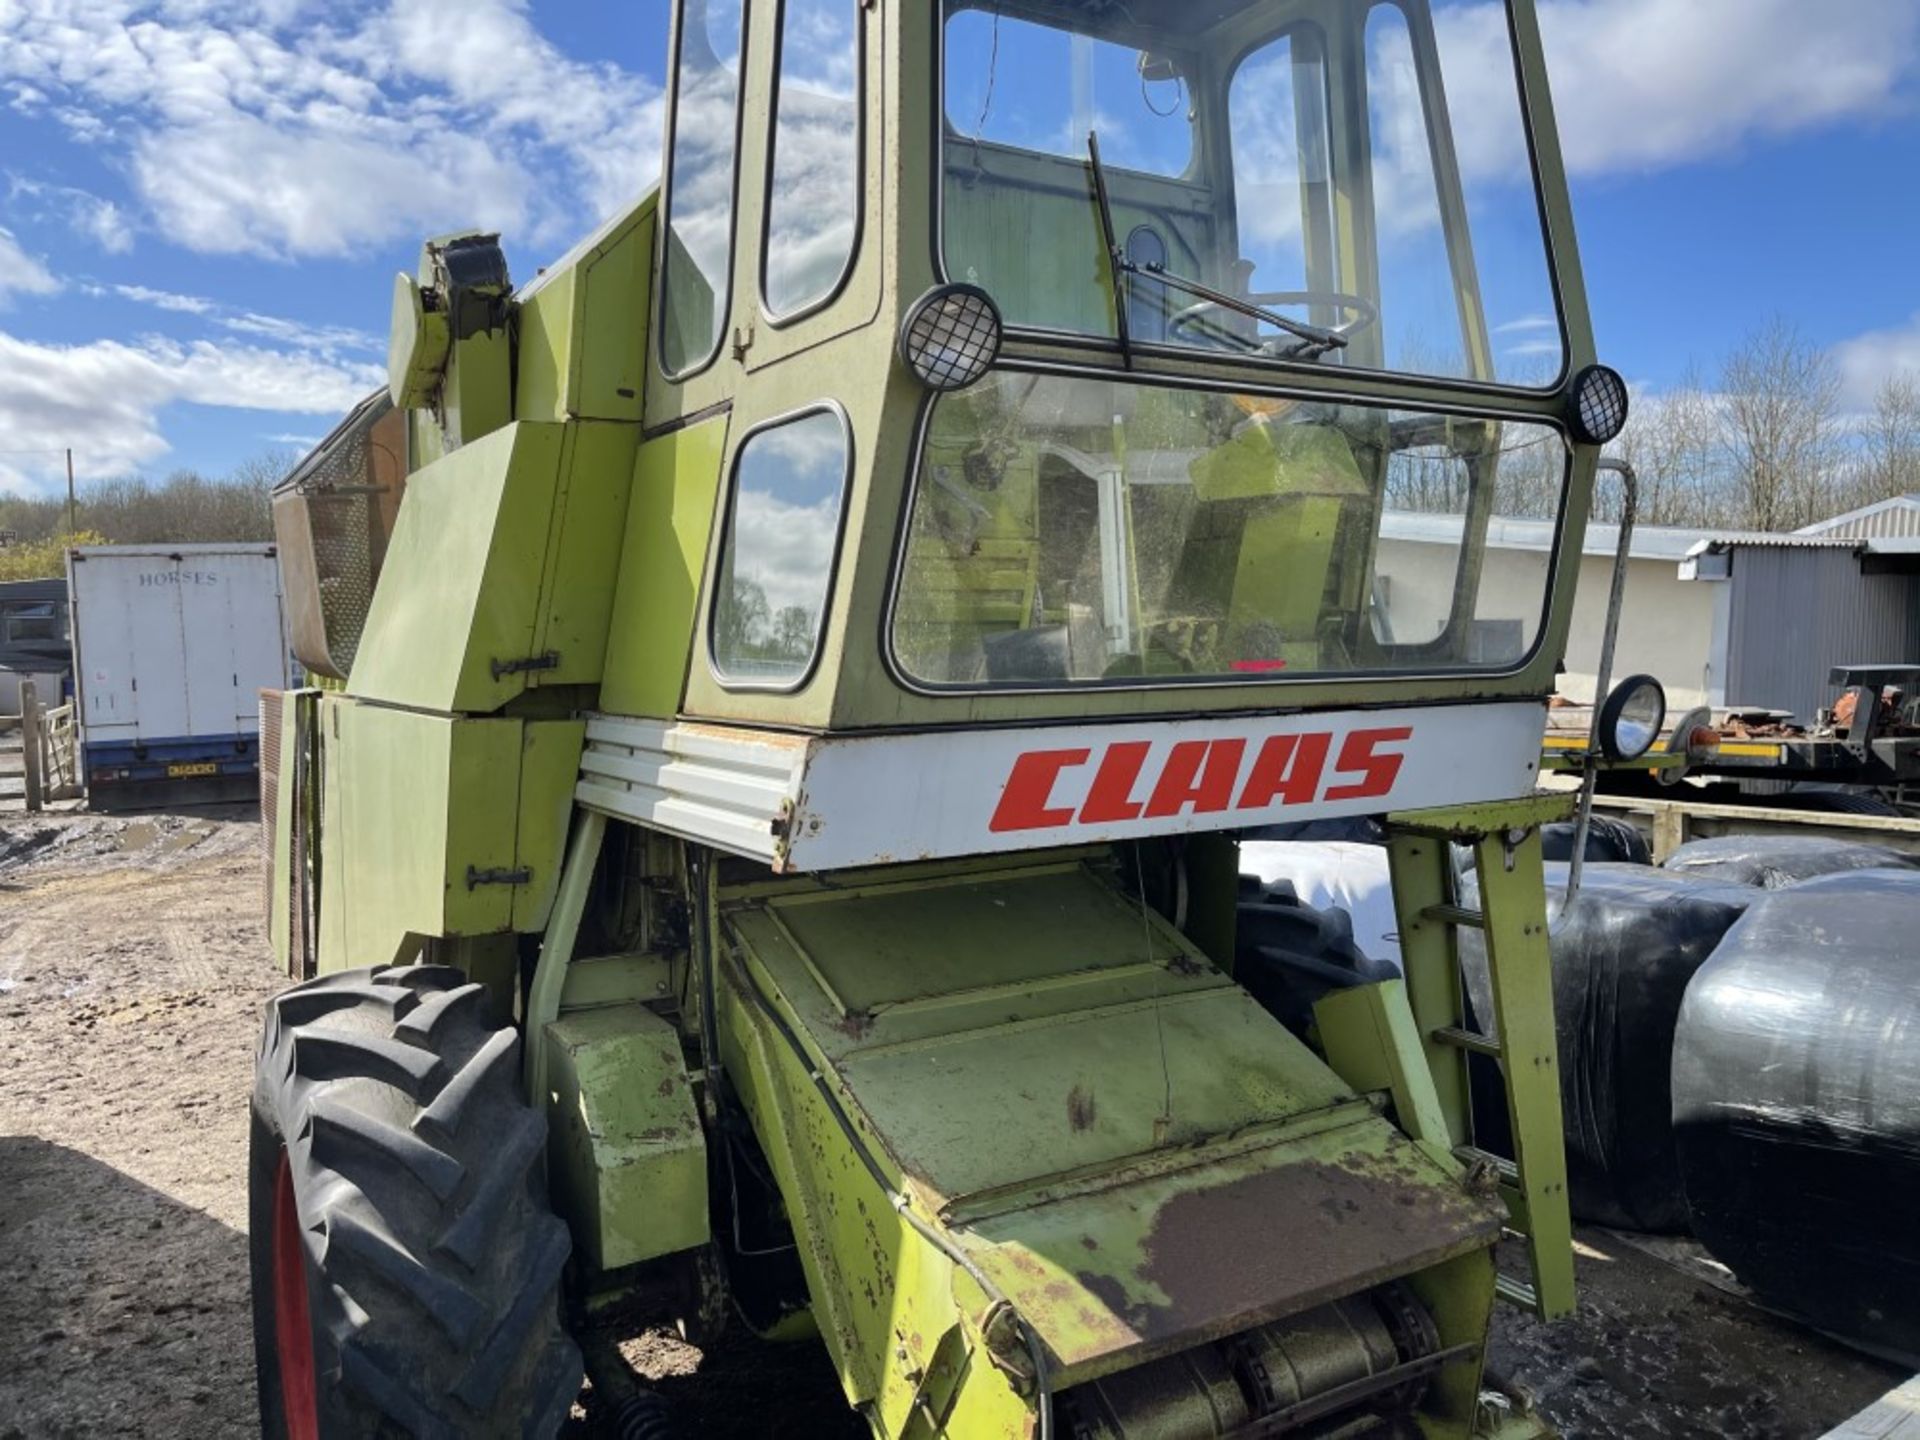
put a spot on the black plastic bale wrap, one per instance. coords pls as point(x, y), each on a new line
point(1775, 861)
point(1287, 954)
point(1607, 839)
point(1796, 1104)
point(1622, 956)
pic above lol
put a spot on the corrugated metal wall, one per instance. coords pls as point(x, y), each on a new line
point(1878, 524)
point(1798, 612)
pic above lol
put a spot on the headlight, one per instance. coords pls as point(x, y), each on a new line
point(951, 336)
point(1599, 405)
point(1630, 720)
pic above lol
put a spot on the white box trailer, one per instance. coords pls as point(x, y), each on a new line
point(172, 645)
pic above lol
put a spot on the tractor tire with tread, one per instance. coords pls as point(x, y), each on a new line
point(395, 1162)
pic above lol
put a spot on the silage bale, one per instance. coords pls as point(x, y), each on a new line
point(1773, 862)
point(1623, 953)
point(1796, 1104)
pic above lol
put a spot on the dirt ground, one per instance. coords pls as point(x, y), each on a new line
point(132, 971)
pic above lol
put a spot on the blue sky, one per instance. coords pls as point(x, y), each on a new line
point(202, 202)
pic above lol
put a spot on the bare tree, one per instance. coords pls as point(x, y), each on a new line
point(1672, 442)
point(1889, 441)
point(1779, 428)
point(185, 508)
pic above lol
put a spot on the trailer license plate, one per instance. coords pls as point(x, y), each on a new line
point(192, 768)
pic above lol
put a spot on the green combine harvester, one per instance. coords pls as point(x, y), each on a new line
point(757, 842)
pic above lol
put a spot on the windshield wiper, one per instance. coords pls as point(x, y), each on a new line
point(1319, 341)
point(1118, 263)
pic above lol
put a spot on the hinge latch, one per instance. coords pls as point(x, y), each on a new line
point(477, 877)
point(548, 661)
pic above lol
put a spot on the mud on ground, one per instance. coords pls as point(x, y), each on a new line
point(133, 965)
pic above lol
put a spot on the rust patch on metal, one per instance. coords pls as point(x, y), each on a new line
point(1082, 1110)
point(738, 735)
point(855, 1025)
point(1285, 1240)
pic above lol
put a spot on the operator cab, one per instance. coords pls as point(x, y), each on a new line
point(1235, 326)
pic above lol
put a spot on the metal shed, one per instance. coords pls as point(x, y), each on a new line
point(1789, 608)
point(1882, 519)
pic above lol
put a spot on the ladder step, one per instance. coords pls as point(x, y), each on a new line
point(1466, 1040)
point(1455, 915)
point(1516, 1292)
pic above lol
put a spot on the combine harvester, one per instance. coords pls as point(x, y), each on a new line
point(758, 839)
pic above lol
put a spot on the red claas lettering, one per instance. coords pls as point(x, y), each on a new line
point(1200, 774)
point(1201, 777)
point(1023, 803)
point(1288, 769)
point(1111, 797)
point(1360, 756)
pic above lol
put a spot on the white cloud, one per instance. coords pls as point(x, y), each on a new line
point(105, 399)
point(20, 273)
point(102, 221)
point(1652, 84)
point(290, 128)
point(330, 340)
point(1867, 360)
point(162, 299)
point(242, 184)
point(606, 121)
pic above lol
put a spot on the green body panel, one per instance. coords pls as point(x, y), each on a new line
point(549, 761)
point(503, 556)
point(1099, 1118)
point(1372, 1042)
point(627, 1158)
point(283, 821)
point(664, 553)
point(461, 588)
point(414, 802)
point(583, 550)
point(417, 346)
point(572, 364)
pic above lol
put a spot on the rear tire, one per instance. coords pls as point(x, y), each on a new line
point(396, 1185)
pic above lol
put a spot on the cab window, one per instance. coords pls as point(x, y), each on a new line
point(813, 188)
point(1364, 196)
point(1069, 532)
point(696, 268)
point(777, 553)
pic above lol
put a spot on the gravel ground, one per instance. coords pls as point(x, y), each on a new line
point(133, 966)
point(132, 970)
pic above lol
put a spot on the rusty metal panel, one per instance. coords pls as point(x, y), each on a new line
point(1118, 1276)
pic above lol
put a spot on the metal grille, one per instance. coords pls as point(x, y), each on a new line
point(341, 500)
point(1603, 403)
point(952, 338)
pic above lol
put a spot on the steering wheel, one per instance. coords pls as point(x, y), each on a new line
point(1364, 312)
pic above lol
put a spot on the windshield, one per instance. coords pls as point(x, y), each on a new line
point(1355, 166)
point(1070, 531)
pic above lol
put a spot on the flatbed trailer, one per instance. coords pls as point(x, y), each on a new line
point(1880, 752)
